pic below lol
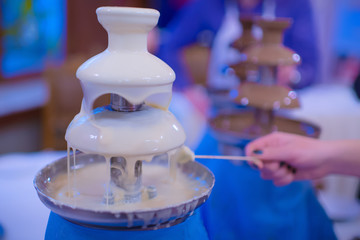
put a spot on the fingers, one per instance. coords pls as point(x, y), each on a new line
point(275, 139)
point(284, 180)
point(270, 168)
point(272, 147)
point(279, 152)
point(280, 173)
point(259, 144)
point(274, 154)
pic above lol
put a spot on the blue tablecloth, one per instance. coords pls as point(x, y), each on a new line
point(59, 229)
point(244, 206)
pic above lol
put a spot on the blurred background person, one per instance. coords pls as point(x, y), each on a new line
point(242, 203)
point(216, 24)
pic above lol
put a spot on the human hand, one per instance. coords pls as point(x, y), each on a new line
point(278, 151)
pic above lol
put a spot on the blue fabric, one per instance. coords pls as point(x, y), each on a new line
point(244, 206)
point(59, 229)
point(1, 232)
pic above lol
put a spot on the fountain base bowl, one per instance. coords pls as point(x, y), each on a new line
point(143, 219)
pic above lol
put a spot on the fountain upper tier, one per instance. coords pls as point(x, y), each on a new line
point(129, 72)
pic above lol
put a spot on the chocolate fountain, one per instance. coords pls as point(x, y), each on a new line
point(264, 99)
point(127, 167)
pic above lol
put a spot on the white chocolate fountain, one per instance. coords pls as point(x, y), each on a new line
point(133, 169)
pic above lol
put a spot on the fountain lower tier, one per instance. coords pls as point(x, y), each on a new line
point(124, 216)
point(149, 131)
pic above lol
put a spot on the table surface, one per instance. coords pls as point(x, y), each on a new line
point(22, 215)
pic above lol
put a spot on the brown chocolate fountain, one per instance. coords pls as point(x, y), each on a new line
point(264, 97)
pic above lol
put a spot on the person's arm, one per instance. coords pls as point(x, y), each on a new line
point(344, 157)
point(289, 157)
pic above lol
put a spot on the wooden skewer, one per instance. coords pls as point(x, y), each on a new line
point(254, 160)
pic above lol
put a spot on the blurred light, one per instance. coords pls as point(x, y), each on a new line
point(230, 71)
point(243, 57)
point(233, 93)
point(292, 94)
point(175, 127)
point(287, 101)
point(296, 57)
point(244, 101)
point(309, 130)
point(276, 105)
